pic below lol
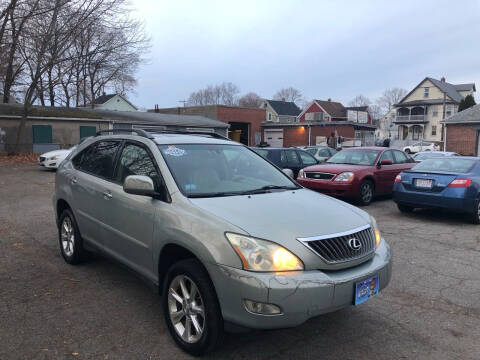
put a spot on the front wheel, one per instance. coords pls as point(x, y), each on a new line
point(191, 308)
point(367, 191)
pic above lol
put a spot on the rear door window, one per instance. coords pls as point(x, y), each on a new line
point(307, 159)
point(289, 158)
point(98, 159)
point(400, 157)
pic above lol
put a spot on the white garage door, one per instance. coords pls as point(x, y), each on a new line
point(273, 137)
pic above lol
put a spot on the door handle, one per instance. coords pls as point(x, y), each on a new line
point(73, 180)
point(107, 195)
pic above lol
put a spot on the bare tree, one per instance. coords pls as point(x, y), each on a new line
point(360, 100)
point(390, 97)
point(225, 93)
point(375, 111)
point(250, 100)
point(289, 94)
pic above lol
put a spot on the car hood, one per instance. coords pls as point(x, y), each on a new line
point(56, 152)
point(284, 215)
point(336, 168)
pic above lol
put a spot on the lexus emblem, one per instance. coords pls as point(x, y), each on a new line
point(355, 244)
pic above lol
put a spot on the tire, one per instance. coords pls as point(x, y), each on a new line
point(367, 192)
point(202, 315)
point(70, 240)
point(475, 216)
point(405, 208)
point(408, 151)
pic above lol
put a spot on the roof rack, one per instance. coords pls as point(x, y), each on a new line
point(147, 133)
point(139, 132)
point(187, 132)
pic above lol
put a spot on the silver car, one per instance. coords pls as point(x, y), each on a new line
point(229, 239)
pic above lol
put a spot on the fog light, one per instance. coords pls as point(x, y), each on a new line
point(261, 308)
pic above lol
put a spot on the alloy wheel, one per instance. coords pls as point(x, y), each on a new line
point(68, 236)
point(186, 309)
point(366, 193)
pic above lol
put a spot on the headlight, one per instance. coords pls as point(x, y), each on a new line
point(346, 177)
point(54, 157)
point(376, 232)
point(301, 174)
point(262, 255)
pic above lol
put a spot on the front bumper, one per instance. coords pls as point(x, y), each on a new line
point(50, 164)
point(301, 295)
point(329, 187)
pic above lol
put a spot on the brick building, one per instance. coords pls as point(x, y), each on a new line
point(245, 122)
point(463, 132)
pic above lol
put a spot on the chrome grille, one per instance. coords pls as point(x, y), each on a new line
point(319, 175)
point(335, 248)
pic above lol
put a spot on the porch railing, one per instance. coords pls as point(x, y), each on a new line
point(412, 118)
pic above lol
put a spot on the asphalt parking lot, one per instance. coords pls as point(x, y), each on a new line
point(99, 310)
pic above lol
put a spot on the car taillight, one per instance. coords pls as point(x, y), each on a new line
point(398, 179)
point(460, 183)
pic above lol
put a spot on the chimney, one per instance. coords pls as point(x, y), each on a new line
point(329, 99)
point(442, 79)
point(283, 99)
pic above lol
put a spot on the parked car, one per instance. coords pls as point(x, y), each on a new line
point(419, 157)
point(209, 222)
point(287, 158)
point(321, 153)
point(358, 173)
point(450, 183)
point(421, 146)
point(52, 159)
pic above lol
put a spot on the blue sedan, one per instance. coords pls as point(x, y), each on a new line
point(448, 183)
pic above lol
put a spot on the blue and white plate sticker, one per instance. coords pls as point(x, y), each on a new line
point(174, 151)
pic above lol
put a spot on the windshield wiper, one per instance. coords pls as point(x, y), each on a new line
point(216, 194)
point(267, 188)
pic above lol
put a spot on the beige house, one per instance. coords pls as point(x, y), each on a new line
point(280, 111)
point(419, 114)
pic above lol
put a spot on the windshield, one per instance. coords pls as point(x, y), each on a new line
point(206, 170)
point(354, 157)
point(449, 164)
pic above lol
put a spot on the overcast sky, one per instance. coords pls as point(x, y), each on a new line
point(335, 49)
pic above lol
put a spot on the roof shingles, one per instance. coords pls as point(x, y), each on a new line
point(284, 107)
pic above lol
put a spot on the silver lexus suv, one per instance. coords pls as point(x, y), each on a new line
point(230, 240)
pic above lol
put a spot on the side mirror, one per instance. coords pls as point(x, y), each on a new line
point(139, 185)
point(289, 172)
point(386, 162)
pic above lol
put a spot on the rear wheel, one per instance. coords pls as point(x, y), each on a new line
point(191, 308)
point(475, 216)
point(405, 208)
point(367, 191)
point(70, 240)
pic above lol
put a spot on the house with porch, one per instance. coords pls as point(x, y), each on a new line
point(419, 114)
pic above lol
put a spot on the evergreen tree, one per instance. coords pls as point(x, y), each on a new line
point(467, 102)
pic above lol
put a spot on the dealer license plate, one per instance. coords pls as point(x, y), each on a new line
point(366, 289)
point(423, 183)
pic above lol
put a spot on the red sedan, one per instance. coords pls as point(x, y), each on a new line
point(359, 173)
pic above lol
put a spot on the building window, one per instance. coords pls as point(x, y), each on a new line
point(86, 131)
point(434, 130)
point(425, 92)
point(435, 113)
point(269, 116)
point(42, 134)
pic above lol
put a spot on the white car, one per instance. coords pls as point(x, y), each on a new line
point(52, 159)
point(417, 147)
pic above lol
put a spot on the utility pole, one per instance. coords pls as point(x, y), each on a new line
point(444, 127)
point(184, 102)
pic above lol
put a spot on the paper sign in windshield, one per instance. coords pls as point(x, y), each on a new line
point(174, 151)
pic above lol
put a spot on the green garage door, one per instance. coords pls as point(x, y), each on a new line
point(42, 134)
point(86, 131)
